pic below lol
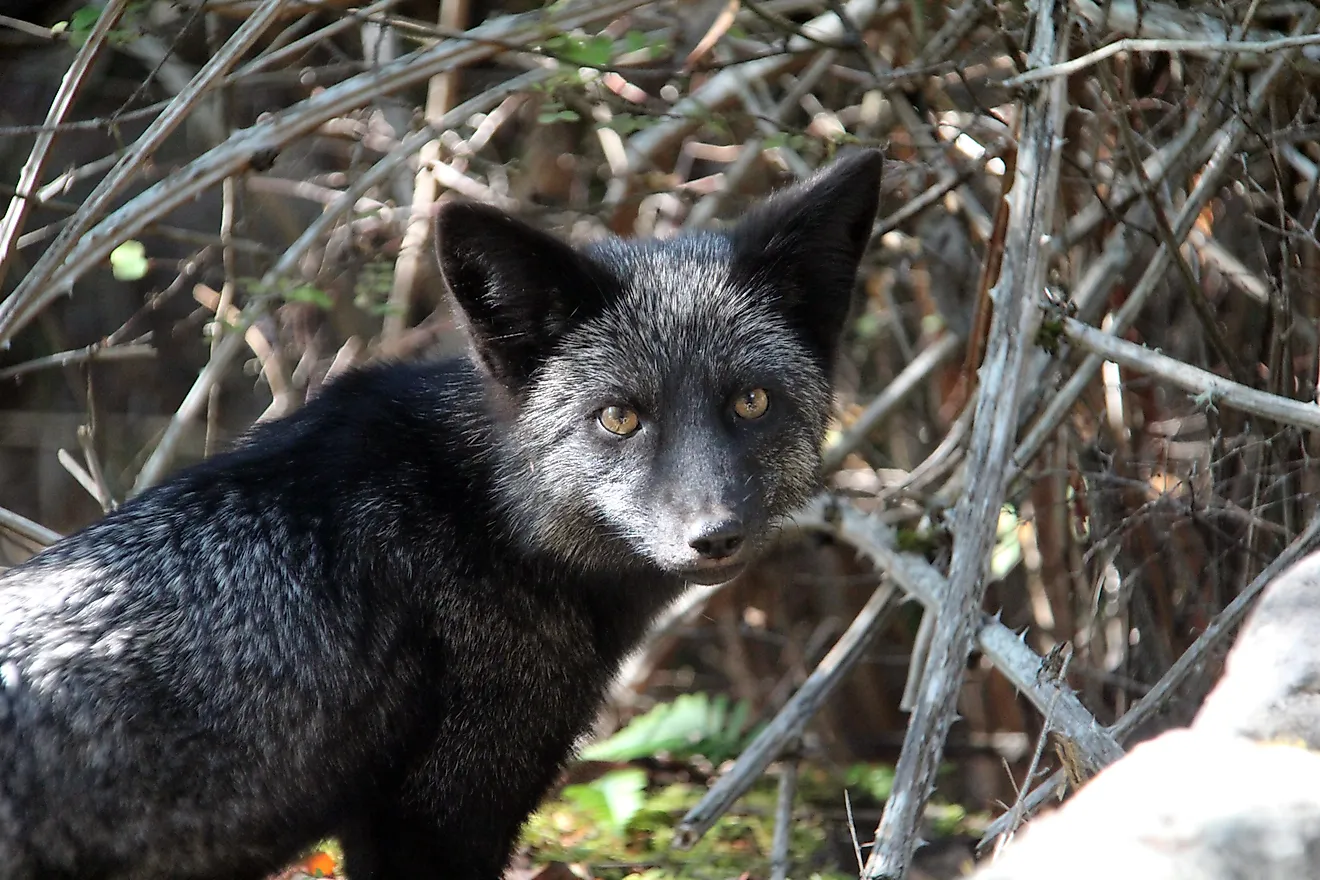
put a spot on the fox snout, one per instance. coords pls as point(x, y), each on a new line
point(708, 543)
point(716, 537)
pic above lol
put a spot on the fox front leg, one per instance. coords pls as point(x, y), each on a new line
point(406, 842)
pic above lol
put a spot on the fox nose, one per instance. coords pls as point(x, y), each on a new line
point(716, 538)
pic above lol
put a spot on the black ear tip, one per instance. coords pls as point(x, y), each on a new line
point(459, 214)
point(859, 168)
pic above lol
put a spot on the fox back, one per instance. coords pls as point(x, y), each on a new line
point(388, 616)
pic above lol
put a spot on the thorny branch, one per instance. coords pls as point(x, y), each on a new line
point(1022, 276)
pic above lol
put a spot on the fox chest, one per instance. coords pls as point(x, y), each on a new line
point(516, 685)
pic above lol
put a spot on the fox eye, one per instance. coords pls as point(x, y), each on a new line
point(752, 404)
point(619, 420)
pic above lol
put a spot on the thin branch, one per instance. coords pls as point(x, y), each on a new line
point(351, 18)
point(441, 94)
point(791, 720)
point(1032, 201)
point(1018, 812)
point(725, 87)
point(914, 375)
point(31, 531)
point(83, 478)
point(30, 176)
point(877, 543)
point(779, 846)
point(95, 352)
point(1199, 47)
point(221, 358)
point(1117, 252)
point(271, 134)
point(704, 211)
point(1208, 387)
point(1191, 288)
point(44, 282)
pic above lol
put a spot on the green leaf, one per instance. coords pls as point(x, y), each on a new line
point(1008, 550)
point(81, 23)
point(624, 792)
point(309, 294)
point(588, 800)
point(84, 19)
point(592, 51)
point(691, 725)
point(875, 780)
point(635, 41)
point(546, 117)
point(610, 801)
point(129, 261)
point(627, 123)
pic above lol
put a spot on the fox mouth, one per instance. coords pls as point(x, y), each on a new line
point(718, 572)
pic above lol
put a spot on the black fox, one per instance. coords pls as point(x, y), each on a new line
point(389, 616)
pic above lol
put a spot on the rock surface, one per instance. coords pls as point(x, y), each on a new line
point(1235, 797)
point(1188, 805)
point(1271, 684)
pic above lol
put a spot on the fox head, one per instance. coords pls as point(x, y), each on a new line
point(665, 400)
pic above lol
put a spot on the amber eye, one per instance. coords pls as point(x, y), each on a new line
point(618, 420)
point(752, 404)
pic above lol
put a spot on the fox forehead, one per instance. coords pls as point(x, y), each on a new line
point(688, 296)
point(681, 322)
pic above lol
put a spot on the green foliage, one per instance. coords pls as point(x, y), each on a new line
point(869, 325)
point(129, 261)
point(554, 112)
point(947, 819)
point(611, 801)
point(1050, 335)
point(307, 293)
point(694, 724)
point(79, 26)
point(636, 41)
point(923, 541)
point(876, 781)
point(620, 829)
point(595, 50)
point(372, 291)
point(793, 141)
point(627, 123)
point(1008, 549)
point(572, 829)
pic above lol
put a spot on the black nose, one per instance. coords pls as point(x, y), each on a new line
point(716, 538)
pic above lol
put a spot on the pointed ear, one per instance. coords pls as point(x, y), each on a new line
point(519, 288)
point(806, 243)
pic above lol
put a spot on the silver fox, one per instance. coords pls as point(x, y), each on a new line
point(389, 616)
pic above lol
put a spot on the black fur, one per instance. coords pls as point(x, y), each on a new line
point(388, 616)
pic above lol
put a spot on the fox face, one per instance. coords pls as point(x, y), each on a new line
point(663, 401)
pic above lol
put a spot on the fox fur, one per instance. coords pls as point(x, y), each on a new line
point(389, 616)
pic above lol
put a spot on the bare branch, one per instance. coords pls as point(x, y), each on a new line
point(1199, 47)
point(1208, 387)
point(30, 177)
point(1031, 209)
point(42, 284)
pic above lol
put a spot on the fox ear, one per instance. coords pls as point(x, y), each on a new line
point(520, 289)
point(806, 242)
